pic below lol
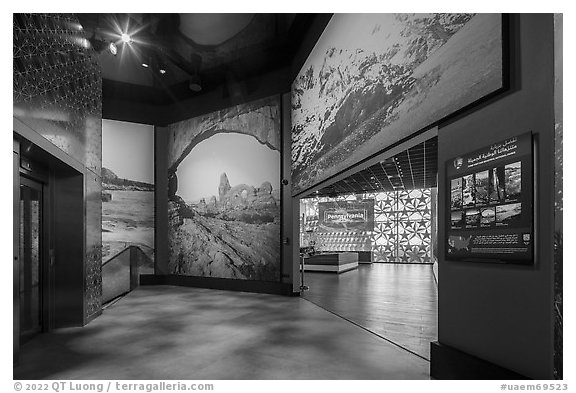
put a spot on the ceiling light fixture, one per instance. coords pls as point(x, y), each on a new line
point(126, 38)
point(145, 64)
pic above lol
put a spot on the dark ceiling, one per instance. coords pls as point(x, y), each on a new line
point(221, 49)
point(416, 167)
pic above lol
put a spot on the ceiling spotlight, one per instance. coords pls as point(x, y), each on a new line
point(145, 64)
point(126, 38)
point(195, 83)
point(162, 70)
point(113, 48)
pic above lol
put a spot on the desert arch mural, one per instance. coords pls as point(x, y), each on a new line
point(224, 193)
point(259, 118)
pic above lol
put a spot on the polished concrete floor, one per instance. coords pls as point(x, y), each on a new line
point(164, 332)
point(396, 301)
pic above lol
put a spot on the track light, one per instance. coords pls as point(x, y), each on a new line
point(113, 48)
point(195, 83)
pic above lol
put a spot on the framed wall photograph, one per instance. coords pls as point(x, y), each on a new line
point(490, 209)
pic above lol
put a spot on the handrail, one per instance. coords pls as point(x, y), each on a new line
point(124, 250)
point(122, 276)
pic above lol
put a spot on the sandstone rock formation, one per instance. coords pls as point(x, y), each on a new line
point(265, 188)
point(111, 181)
point(260, 119)
point(224, 186)
point(209, 247)
point(235, 236)
point(172, 185)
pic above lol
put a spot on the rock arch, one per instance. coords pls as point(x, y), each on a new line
point(260, 119)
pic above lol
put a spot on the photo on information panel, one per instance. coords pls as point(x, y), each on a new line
point(456, 219)
point(456, 193)
point(508, 214)
point(513, 181)
point(488, 216)
point(472, 217)
point(468, 191)
point(482, 188)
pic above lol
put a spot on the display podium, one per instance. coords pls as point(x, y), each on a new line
point(331, 262)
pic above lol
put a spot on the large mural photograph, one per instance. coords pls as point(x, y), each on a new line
point(374, 79)
point(128, 190)
point(224, 193)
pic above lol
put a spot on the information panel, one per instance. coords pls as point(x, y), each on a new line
point(346, 216)
point(490, 205)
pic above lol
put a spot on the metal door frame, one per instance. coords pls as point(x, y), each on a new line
point(37, 180)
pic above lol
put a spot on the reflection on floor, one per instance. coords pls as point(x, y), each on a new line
point(166, 332)
point(396, 301)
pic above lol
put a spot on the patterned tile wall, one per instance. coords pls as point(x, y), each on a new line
point(57, 92)
point(402, 227)
point(93, 263)
point(57, 86)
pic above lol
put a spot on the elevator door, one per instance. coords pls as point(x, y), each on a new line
point(30, 258)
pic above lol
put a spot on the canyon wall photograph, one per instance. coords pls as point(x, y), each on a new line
point(374, 79)
point(224, 193)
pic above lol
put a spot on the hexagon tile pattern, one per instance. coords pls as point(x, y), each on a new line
point(57, 88)
point(57, 92)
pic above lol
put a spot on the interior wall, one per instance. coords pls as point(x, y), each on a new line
point(16, 251)
point(57, 100)
point(161, 200)
point(504, 313)
point(67, 273)
point(287, 224)
point(558, 193)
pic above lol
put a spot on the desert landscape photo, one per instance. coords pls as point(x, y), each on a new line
point(224, 195)
point(127, 190)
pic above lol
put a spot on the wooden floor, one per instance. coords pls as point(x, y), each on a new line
point(398, 302)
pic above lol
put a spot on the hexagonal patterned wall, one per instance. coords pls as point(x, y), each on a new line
point(57, 92)
point(58, 84)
